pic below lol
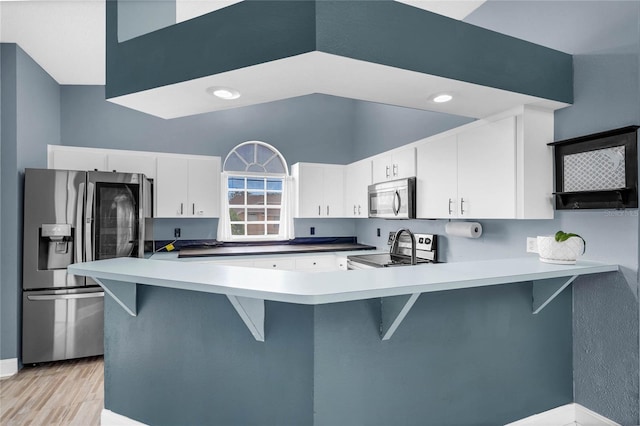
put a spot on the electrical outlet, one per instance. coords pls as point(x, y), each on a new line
point(378, 232)
point(312, 231)
point(176, 232)
point(532, 245)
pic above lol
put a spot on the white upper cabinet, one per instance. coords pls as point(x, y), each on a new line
point(133, 163)
point(187, 186)
point(204, 187)
point(487, 171)
point(319, 190)
point(76, 158)
point(500, 169)
point(357, 181)
point(397, 164)
point(73, 158)
point(437, 178)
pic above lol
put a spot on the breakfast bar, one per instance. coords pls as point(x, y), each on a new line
point(321, 351)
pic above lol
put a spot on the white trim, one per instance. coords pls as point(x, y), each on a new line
point(586, 417)
point(566, 415)
point(109, 418)
point(8, 367)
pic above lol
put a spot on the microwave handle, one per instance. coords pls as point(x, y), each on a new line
point(396, 197)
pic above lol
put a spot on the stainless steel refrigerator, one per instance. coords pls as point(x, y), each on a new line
point(70, 217)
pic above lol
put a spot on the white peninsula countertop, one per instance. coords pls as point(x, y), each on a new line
point(398, 287)
point(314, 288)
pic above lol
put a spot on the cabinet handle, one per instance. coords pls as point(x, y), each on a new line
point(388, 171)
point(359, 210)
point(354, 209)
point(450, 211)
point(181, 208)
point(319, 213)
point(461, 206)
point(193, 209)
point(395, 170)
point(327, 210)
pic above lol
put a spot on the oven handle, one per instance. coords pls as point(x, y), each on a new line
point(353, 265)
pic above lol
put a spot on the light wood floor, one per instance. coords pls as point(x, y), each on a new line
point(55, 393)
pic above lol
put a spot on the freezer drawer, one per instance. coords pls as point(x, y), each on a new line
point(62, 324)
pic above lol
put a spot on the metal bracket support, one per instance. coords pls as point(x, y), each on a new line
point(252, 313)
point(393, 310)
point(125, 293)
point(544, 291)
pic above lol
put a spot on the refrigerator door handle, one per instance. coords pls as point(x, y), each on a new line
point(88, 232)
point(79, 216)
point(68, 296)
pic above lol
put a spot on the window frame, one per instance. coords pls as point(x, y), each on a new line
point(284, 223)
point(263, 176)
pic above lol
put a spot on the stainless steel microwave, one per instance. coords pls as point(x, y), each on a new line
point(395, 199)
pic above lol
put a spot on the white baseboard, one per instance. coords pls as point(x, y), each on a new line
point(109, 418)
point(566, 415)
point(8, 367)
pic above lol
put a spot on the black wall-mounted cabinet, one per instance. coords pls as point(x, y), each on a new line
point(598, 171)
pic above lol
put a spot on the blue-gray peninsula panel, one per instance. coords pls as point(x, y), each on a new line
point(188, 359)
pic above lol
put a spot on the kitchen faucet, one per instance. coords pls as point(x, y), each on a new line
point(396, 237)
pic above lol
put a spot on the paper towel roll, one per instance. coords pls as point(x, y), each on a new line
point(463, 229)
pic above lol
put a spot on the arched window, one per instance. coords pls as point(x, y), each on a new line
point(256, 194)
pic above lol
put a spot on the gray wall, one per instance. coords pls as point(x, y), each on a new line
point(137, 17)
point(30, 121)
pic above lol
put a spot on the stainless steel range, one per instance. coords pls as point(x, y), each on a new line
point(406, 249)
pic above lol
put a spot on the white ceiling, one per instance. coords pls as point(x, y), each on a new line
point(319, 72)
point(67, 37)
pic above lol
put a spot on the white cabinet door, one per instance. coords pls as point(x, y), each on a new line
point(437, 179)
point(309, 183)
point(132, 163)
point(381, 168)
point(187, 187)
point(487, 171)
point(78, 159)
point(404, 163)
point(398, 164)
point(172, 181)
point(357, 180)
point(333, 191)
point(287, 264)
point(319, 190)
point(315, 263)
point(203, 194)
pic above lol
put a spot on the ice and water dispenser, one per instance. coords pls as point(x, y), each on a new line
point(56, 246)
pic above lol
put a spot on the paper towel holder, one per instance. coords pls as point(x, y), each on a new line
point(463, 229)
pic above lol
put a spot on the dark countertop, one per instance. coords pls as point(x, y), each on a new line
point(270, 249)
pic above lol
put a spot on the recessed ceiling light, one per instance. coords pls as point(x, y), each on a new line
point(223, 93)
point(441, 98)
